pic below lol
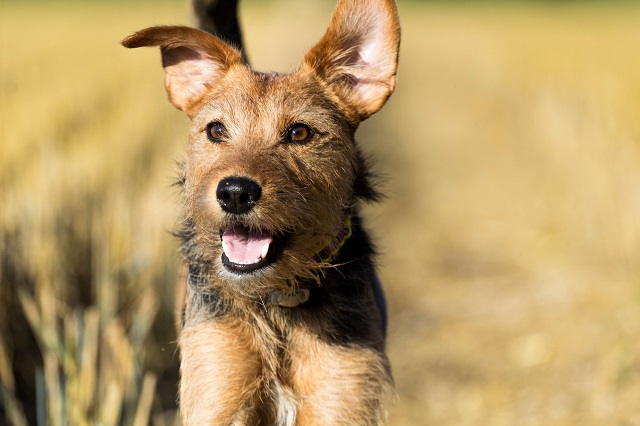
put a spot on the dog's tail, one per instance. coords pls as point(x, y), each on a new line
point(220, 18)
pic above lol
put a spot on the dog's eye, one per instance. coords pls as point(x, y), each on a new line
point(299, 133)
point(216, 132)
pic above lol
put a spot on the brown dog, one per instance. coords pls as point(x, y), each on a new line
point(284, 319)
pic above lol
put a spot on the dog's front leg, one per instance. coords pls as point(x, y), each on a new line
point(220, 373)
point(338, 384)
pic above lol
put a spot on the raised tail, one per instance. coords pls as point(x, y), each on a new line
point(220, 18)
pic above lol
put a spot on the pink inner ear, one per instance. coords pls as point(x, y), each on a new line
point(370, 72)
point(375, 48)
point(189, 75)
point(358, 53)
point(374, 64)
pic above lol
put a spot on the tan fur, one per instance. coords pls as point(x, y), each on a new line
point(338, 385)
point(181, 289)
point(221, 370)
point(244, 360)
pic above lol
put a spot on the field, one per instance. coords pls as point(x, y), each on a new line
point(510, 235)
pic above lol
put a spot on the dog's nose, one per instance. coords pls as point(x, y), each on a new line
point(238, 195)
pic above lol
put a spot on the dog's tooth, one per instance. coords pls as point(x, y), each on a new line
point(225, 248)
point(265, 250)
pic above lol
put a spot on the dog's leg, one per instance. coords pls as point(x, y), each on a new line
point(338, 384)
point(220, 372)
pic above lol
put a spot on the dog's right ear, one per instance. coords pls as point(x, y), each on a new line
point(193, 60)
point(358, 55)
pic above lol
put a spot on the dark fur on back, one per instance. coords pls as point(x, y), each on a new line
point(220, 18)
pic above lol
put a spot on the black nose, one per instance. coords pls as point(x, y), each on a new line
point(238, 195)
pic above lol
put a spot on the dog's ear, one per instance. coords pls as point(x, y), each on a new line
point(193, 60)
point(358, 54)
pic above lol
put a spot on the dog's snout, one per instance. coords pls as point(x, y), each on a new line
point(237, 194)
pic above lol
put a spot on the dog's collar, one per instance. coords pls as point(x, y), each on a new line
point(327, 253)
point(322, 255)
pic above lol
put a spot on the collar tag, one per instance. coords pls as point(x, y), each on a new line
point(289, 300)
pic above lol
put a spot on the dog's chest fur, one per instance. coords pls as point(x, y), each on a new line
point(286, 351)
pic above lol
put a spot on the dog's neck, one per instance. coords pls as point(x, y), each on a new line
point(329, 252)
point(323, 255)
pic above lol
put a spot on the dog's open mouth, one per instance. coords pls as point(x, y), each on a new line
point(246, 250)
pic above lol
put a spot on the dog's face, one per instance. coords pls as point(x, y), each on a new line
point(272, 168)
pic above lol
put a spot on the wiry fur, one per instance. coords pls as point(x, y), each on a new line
point(245, 360)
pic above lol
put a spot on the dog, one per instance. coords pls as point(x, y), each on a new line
point(284, 319)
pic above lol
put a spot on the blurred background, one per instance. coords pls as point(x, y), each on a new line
point(510, 235)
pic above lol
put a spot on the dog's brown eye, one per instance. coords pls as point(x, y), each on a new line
point(300, 133)
point(216, 132)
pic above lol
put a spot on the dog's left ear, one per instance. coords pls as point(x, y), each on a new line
point(358, 54)
point(194, 61)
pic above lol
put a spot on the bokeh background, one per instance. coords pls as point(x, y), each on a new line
point(510, 235)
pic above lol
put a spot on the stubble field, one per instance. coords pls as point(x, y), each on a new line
point(510, 235)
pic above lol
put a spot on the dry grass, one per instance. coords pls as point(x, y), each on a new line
point(510, 237)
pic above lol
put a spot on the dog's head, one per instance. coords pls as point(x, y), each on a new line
point(272, 169)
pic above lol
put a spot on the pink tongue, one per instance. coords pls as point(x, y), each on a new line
point(244, 246)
